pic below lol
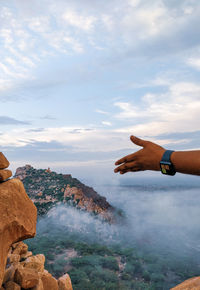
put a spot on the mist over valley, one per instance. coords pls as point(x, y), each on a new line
point(155, 244)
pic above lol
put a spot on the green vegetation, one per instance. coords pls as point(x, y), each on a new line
point(97, 266)
point(40, 184)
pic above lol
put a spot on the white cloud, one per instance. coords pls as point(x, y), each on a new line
point(133, 28)
point(80, 139)
point(106, 123)
point(177, 110)
point(101, 112)
point(79, 21)
point(194, 62)
point(128, 110)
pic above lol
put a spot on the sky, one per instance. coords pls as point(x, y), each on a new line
point(77, 78)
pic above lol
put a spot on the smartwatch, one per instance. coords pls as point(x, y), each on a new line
point(166, 165)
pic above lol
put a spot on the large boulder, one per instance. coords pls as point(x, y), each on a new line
point(4, 163)
point(5, 174)
point(18, 216)
point(35, 262)
point(48, 281)
point(64, 283)
point(190, 284)
point(12, 286)
point(19, 248)
point(26, 278)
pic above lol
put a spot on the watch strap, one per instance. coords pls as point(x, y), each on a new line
point(166, 165)
point(166, 156)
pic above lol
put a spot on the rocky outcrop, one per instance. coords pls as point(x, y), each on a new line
point(4, 163)
point(82, 201)
point(29, 273)
point(47, 188)
point(190, 284)
point(18, 214)
point(19, 269)
point(5, 174)
point(64, 282)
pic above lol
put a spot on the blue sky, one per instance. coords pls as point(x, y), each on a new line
point(77, 78)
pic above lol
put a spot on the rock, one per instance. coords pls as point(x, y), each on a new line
point(35, 262)
point(9, 274)
point(18, 217)
point(20, 248)
point(39, 286)
point(64, 283)
point(12, 286)
point(190, 284)
point(49, 282)
point(26, 278)
point(14, 258)
point(5, 174)
point(25, 256)
point(3, 161)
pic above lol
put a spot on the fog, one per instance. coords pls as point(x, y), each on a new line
point(161, 218)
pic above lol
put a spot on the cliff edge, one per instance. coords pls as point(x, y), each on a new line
point(19, 269)
point(18, 213)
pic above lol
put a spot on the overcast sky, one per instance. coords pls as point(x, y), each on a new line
point(78, 77)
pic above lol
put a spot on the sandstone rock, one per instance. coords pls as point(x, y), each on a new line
point(64, 283)
point(5, 174)
point(3, 161)
point(14, 258)
point(49, 282)
point(39, 286)
point(25, 256)
point(12, 286)
point(35, 262)
point(9, 274)
point(18, 217)
point(20, 248)
point(26, 278)
point(190, 284)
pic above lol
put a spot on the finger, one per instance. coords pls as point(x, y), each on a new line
point(130, 170)
point(127, 158)
point(127, 165)
point(138, 141)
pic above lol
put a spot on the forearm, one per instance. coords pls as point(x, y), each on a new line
point(187, 162)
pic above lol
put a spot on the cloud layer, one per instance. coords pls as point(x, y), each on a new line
point(84, 76)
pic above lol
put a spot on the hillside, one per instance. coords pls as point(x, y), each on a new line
point(47, 189)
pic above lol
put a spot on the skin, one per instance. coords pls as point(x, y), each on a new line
point(149, 157)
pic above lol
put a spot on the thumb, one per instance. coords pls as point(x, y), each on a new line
point(138, 141)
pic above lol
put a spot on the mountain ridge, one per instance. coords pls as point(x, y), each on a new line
point(47, 188)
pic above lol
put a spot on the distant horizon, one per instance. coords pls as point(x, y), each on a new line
point(145, 178)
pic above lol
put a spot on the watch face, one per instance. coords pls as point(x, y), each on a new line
point(167, 168)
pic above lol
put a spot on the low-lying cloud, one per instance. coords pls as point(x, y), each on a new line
point(161, 218)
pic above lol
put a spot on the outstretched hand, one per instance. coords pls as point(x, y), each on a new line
point(147, 158)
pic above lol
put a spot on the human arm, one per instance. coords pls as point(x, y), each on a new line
point(149, 157)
